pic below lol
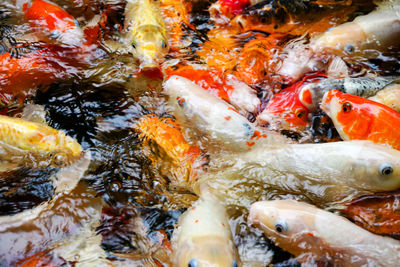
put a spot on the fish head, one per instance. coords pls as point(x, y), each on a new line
point(67, 151)
point(207, 251)
point(343, 40)
point(150, 46)
point(350, 114)
point(285, 112)
point(288, 223)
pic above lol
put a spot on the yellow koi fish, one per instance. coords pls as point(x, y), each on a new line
point(21, 137)
point(146, 33)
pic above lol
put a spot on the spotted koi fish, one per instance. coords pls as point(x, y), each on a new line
point(357, 118)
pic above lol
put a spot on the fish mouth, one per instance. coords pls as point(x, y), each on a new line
point(147, 65)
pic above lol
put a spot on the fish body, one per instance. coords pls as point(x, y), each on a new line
point(324, 173)
point(389, 96)
point(378, 213)
point(314, 235)
point(210, 115)
point(285, 110)
point(378, 30)
point(46, 143)
point(203, 236)
point(357, 118)
point(311, 94)
point(146, 34)
point(52, 23)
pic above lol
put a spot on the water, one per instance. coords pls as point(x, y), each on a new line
point(122, 207)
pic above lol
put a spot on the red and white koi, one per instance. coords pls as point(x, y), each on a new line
point(357, 118)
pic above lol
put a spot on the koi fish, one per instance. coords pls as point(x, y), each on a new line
point(364, 36)
point(146, 34)
point(357, 118)
point(311, 94)
point(256, 59)
point(314, 235)
point(51, 23)
point(378, 213)
point(176, 16)
point(323, 173)
point(285, 110)
point(168, 136)
point(226, 87)
point(389, 96)
point(41, 141)
point(212, 243)
point(217, 119)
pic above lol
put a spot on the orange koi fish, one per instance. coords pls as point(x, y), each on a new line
point(357, 118)
point(285, 110)
point(52, 23)
point(377, 213)
point(220, 51)
point(176, 16)
point(256, 57)
point(168, 136)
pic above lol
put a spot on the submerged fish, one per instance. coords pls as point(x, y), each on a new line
point(169, 139)
point(311, 94)
point(146, 34)
point(314, 235)
point(378, 213)
point(203, 236)
point(19, 138)
point(357, 118)
point(285, 111)
point(221, 122)
point(323, 173)
point(51, 23)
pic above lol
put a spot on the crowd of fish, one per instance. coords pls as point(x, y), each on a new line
point(285, 112)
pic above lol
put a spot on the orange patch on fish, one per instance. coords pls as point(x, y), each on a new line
point(47, 16)
point(210, 79)
point(357, 118)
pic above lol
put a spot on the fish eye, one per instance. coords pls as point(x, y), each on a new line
point(281, 227)
point(192, 263)
point(385, 169)
point(163, 44)
point(134, 45)
point(234, 264)
point(59, 159)
point(300, 113)
point(346, 107)
point(349, 48)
